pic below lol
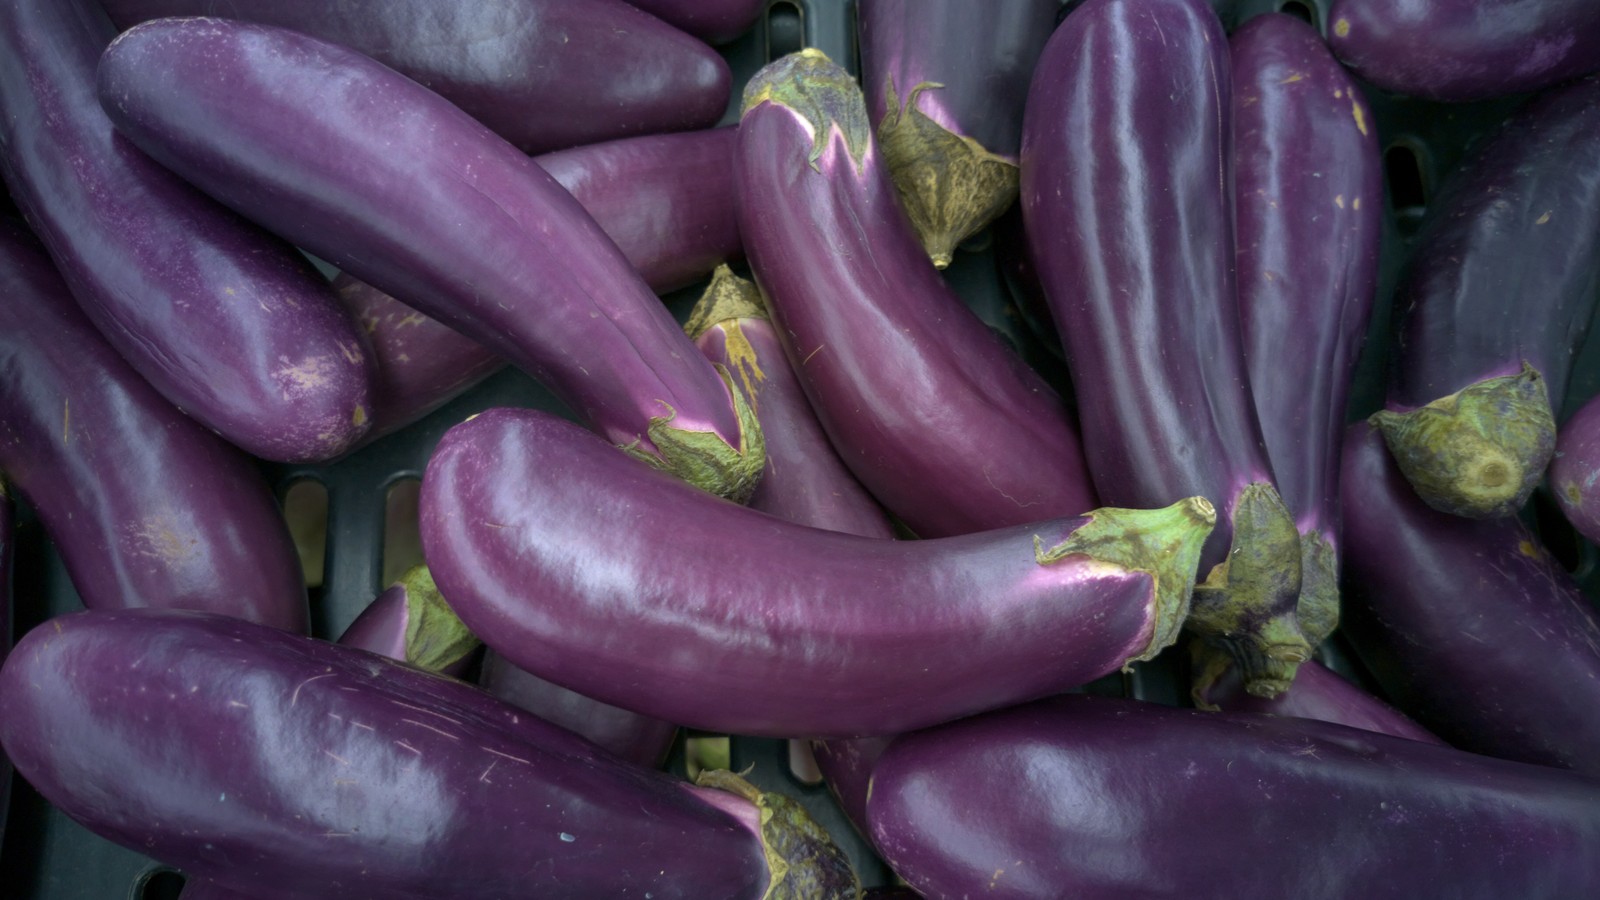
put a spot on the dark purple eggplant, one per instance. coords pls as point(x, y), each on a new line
point(713, 21)
point(301, 135)
point(847, 767)
point(410, 622)
point(1496, 299)
point(145, 506)
point(1308, 194)
point(1576, 470)
point(1460, 50)
point(1469, 626)
point(934, 414)
point(597, 572)
point(230, 324)
point(945, 84)
point(252, 756)
point(1127, 199)
point(8, 549)
point(1097, 797)
point(543, 74)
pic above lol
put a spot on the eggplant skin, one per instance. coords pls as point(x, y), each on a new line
point(1575, 471)
point(712, 21)
point(1092, 797)
point(1317, 693)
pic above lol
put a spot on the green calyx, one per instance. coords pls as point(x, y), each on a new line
point(1479, 452)
point(804, 862)
point(816, 89)
point(703, 458)
point(1163, 543)
point(435, 636)
point(1318, 608)
point(727, 297)
point(951, 185)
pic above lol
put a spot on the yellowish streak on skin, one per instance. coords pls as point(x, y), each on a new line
point(359, 417)
point(1339, 201)
point(1342, 28)
point(66, 421)
point(1527, 548)
point(1293, 78)
point(1356, 203)
point(1360, 114)
point(1543, 219)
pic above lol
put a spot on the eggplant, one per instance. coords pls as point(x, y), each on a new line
point(846, 765)
point(1468, 625)
point(412, 623)
point(1459, 50)
point(299, 134)
point(712, 21)
point(543, 74)
point(948, 110)
point(8, 550)
point(1127, 201)
point(1496, 298)
point(145, 506)
point(931, 411)
point(1576, 469)
point(246, 755)
point(229, 323)
point(1308, 196)
point(1081, 796)
point(592, 570)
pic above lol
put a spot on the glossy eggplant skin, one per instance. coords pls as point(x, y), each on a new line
point(1510, 665)
point(229, 323)
point(146, 507)
point(543, 74)
point(605, 576)
point(931, 411)
point(1458, 50)
point(238, 753)
point(1317, 693)
point(1573, 471)
point(712, 21)
point(299, 134)
point(1097, 797)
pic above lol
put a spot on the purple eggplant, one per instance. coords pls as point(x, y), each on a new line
point(1496, 298)
point(1308, 189)
point(945, 83)
point(934, 414)
point(300, 135)
point(847, 767)
point(1459, 50)
point(592, 570)
point(146, 507)
point(8, 549)
point(229, 323)
point(251, 756)
point(713, 21)
point(1469, 626)
point(410, 622)
point(543, 74)
point(1096, 797)
point(1576, 469)
point(1127, 200)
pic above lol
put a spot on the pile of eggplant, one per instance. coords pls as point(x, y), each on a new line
point(831, 504)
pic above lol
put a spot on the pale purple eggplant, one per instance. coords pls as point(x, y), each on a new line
point(595, 571)
point(543, 74)
point(1308, 189)
point(1127, 200)
point(145, 506)
point(1575, 471)
point(713, 21)
point(1496, 298)
point(251, 756)
point(229, 323)
point(945, 84)
point(411, 623)
point(932, 412)
point(301, 135)
point(1469, 626)
point(1098, 797)
point(1458, 50)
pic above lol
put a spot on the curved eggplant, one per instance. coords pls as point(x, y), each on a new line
point(229, 323)
point(146, 507)
point(543, 74)
point(253, 756)
point(1097, 797)
point(934, 414)
point(712, 21)
point(1497, 296)
point(1470, 627)
point(591, 570)
point(299, 134)
point(1127, 199)
point(412, 623)
point(1576, 469)
point(945, 84)
point(1460, 50)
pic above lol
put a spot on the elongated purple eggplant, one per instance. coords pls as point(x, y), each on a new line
point(1127, 199)
point(1497, 295)
point(1098, 797)
point(251, 756)
point(713, 21)
point(945, 84)
point(544, 74)
point(300, 135)
point(410, 622)
point(1461, 50)
point(1308, 189)
point(146, 507)
point(1576, 470)
point(1469, 625)
point(939, 420)
point(605, 576)
point(228, 323)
